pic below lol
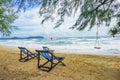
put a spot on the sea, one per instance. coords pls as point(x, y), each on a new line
point(106, 44)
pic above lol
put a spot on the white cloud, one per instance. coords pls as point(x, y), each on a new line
point(29, 25)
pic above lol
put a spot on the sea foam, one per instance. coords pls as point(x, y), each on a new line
point(72, 44)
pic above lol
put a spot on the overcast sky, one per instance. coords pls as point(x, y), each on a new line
point(29, 25)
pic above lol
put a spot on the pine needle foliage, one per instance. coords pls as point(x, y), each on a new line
point(91, 12)
point(7, 17)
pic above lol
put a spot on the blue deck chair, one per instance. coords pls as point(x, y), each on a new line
point(25, 54)
point(45, 48)
point(50, 57)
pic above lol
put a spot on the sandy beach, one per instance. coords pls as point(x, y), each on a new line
point(78, 67)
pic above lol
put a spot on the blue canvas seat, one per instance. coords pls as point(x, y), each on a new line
point(45, 48)
point(25, 54)
point(50, 57)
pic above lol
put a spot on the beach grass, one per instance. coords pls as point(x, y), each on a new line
point(78, 67)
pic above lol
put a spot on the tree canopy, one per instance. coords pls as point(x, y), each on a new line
point(91, 12)
point(7, 17)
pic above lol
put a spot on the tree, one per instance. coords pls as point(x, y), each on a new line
point(115, 30)
point(91, 12)
point(7, 17)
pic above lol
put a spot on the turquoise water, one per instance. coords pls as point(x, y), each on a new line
point(107, 44)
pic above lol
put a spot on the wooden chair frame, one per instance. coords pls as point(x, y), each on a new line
point(28, 55)
point(45, 48)
point(50, 60)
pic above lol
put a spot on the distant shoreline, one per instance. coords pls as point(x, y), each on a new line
point(30, 37)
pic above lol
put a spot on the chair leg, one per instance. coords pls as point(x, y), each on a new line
point(42, 66)
point(59, 61)
point(20, 55)
point(45, 63)
point(62, 63)
point(38, 60)
point(49, 68)
point(25, 59)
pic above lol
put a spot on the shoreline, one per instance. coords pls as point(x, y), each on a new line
point(99, 53)
point(109, 46)
point(75, 51)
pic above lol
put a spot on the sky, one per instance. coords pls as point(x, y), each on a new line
point(29, 21)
